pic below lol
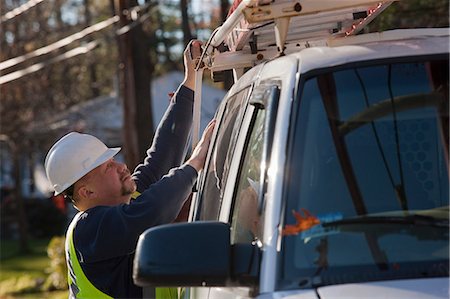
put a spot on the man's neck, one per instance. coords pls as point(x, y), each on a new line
point(86, 205)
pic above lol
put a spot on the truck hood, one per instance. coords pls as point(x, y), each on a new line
point(408, 289)
point(429, 288)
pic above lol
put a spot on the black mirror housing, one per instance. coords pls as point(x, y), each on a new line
point(183, 254)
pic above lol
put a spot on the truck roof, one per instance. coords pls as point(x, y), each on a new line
point(374, 46)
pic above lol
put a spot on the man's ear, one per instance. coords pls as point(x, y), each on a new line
point(84, 192)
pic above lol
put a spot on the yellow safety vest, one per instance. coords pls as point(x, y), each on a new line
point(161, 293)
point(80, 285)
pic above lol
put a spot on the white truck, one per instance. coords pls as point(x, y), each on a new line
point(328, 173)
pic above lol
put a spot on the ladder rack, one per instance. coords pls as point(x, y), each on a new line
point(259, 30)
point(281, 26)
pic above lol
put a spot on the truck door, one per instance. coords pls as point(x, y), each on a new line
point(208, 202)
point(240, 206)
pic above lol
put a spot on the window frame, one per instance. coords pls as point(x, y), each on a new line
point(295, 118)
point(221, 114)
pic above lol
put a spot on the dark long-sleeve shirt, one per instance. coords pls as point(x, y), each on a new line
point(105, 237)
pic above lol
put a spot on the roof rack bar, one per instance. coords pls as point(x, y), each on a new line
point(372, 15)
point(315, 6)
point(230, 23)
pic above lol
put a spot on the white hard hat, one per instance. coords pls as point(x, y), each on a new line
point(72, 157)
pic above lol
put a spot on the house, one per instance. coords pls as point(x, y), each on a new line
point(103, 118)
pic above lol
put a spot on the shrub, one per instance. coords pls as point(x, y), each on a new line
point(57, 279)
point(20, 285)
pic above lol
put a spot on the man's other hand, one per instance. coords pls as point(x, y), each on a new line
point(198, 156)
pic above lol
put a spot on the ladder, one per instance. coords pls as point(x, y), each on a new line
point(260, 30)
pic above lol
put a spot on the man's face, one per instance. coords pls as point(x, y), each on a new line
point(112, 183)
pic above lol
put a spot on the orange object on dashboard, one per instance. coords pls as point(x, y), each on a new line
point(304, 222)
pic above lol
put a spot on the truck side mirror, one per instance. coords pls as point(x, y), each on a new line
point(184, 254)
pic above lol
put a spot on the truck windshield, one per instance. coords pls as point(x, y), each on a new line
point(368, 177)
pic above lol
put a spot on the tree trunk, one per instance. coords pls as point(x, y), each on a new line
point(143, 70)
point(20, 209)
point(224, 8)
point(135, 67)
point(187, 35)
point(92, 66)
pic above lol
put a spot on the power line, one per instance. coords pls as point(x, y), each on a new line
point(81, 34)
point(59, 44)
point(38, 66)
point(32, 3)
point(129, 27)
point(136, 19)
point(68, 40)
point(19, 10)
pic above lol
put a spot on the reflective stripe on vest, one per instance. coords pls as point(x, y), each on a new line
point(79, 284)
point(161, 293)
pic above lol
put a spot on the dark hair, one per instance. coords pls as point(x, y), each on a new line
point(68, 193)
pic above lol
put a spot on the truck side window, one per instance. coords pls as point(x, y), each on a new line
point(222, 152)
point(246, 222)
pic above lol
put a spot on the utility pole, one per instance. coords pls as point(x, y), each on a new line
point(92, 67)
point(134, 77)
point(187, 35)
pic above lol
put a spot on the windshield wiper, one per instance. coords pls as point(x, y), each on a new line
point(415, 219)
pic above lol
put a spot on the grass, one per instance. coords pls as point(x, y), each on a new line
point(13, 264)
point(21, 274)
point(46, 295)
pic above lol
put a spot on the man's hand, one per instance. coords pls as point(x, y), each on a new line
point(191, 56)
point(198, 156)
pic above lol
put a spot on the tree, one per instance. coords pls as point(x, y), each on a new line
point(187, 35)
point(224, 8)
point(45, 84)
point(135, 74)
point(413, 14)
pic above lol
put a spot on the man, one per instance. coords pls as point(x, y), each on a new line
point(102, 237)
